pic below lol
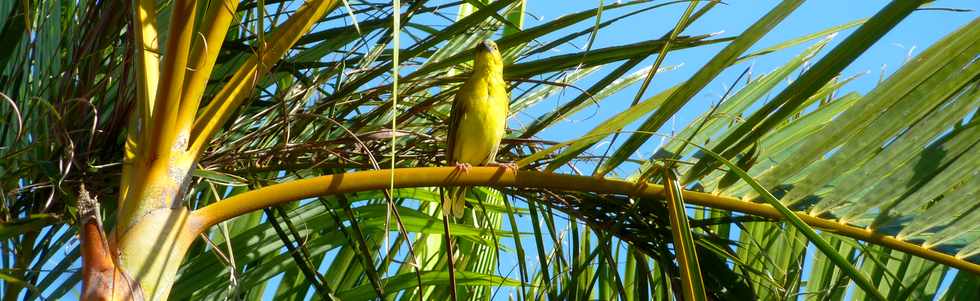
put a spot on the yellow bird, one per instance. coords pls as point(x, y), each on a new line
point(477, 120)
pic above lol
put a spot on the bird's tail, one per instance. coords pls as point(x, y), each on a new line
point(455, 201)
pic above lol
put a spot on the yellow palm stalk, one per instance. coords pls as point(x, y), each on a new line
point(477, 120)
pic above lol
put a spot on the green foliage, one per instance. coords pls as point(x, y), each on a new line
point(900, 160)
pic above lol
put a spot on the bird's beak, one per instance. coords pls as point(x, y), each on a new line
point(486, 45)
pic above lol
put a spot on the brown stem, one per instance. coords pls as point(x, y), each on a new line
point(101, 278)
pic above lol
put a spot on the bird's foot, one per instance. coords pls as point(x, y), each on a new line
point(510, 166)
point(464, 167)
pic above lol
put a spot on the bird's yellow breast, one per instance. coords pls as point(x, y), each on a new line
point(483, 122)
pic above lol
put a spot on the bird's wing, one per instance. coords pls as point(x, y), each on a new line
point(455, 114)
point(499, 88)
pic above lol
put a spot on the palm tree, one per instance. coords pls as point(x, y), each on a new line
point(283, 149)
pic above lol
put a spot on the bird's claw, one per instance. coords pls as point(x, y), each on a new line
point(510, 166)
point(464, 167)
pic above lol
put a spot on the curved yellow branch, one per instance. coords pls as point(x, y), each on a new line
point(243, 203)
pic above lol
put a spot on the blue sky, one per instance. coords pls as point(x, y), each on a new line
point(910, 37)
